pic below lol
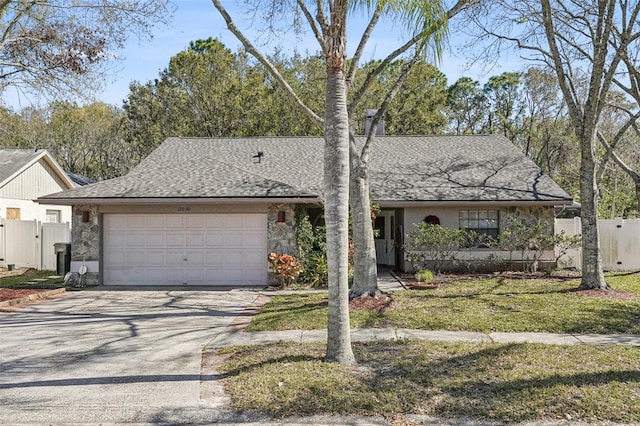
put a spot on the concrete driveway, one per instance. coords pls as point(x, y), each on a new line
point(113, 356)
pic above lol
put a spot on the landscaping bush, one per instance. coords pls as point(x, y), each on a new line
point(311, 250)
point(424, 275)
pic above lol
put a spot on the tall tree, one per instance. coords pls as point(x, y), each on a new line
point(581, 42)
point(506, 110)
point(330, 32)
point(467, 108)
point(328, 22)
point(427, 22)
point(66, 46)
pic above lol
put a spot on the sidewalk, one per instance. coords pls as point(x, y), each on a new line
point(373, 334)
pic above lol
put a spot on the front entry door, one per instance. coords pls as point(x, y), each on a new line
point(385, 224)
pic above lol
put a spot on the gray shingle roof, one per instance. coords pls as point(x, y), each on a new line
point(12, 160)
point(403, 169)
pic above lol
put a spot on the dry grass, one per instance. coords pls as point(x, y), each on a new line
point(506, 383)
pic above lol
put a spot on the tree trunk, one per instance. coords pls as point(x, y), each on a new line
point(592, 276)
point(336, 208)
point(365, 271)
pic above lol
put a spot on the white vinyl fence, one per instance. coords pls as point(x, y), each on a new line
point(619, 243)
point(29, 243)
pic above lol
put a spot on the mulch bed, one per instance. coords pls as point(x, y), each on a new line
point(606, 294)
point(379, 303)
point(410, 282)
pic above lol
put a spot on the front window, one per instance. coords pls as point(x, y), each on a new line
point(485, 223)
point(53, 216)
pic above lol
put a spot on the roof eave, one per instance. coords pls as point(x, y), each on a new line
point(174, 200)
point(454, 203)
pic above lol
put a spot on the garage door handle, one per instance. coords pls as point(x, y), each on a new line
point(185, 259)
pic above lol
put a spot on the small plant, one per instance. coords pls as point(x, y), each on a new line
point(285, 266)
point(424, 275)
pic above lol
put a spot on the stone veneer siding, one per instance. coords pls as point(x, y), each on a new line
point(85, 239)
point(281, 237)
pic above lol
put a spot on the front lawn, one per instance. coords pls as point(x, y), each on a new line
point(498, 382)
point(23, 275)
point(485, 305)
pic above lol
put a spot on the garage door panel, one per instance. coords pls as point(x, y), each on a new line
point(155, 240)
point(214, 239)
point(254, 257)
point(136, 222)
point(254, 240)
point(175, 239)
point(253, 223)
point(254, 276)
point(195, 221)
point(214, 221)
point(215, 257)
point(195, 276)
point(154, 221)
point(117, 259)
point(136, 239)
point(220, 249)
point(195, 239)
point(234, 257)
point(233, 239)
point(195, 258)
point(174, 257)
point(234, 276)
point(117, 239)
point(155, 258)
point(234, 221)
point(174, 221)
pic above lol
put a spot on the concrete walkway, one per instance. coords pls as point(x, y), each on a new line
point(373, 334)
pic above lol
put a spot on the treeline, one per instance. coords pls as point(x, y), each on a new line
point(209, 91)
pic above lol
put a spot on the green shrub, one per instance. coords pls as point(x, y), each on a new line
point(424, 275)
point(311, 250)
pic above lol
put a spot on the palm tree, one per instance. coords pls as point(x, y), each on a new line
point(328, 22)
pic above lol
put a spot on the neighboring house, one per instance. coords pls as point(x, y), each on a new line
point(26, 175)
point(208, 211)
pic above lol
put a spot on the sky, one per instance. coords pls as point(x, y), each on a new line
point(142, 60)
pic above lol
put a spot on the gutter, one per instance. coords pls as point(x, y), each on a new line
point(137, 201)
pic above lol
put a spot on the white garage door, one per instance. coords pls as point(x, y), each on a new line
point(185, 249)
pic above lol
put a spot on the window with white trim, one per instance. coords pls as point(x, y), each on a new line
point(53, 216)
point(483, 222)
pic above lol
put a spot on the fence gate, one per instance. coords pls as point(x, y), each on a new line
point(21, 243)
point(50, 234)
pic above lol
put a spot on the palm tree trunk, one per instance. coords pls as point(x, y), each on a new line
point(336, 207)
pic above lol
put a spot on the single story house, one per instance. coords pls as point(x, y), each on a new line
point(26, 175)
point(202, 211)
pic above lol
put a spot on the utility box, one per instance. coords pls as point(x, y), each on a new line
point(63, 258)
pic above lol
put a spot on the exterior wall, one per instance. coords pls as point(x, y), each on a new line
point(86, 243)
point(30, 210)
point(281, 236)
point(449, 219)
